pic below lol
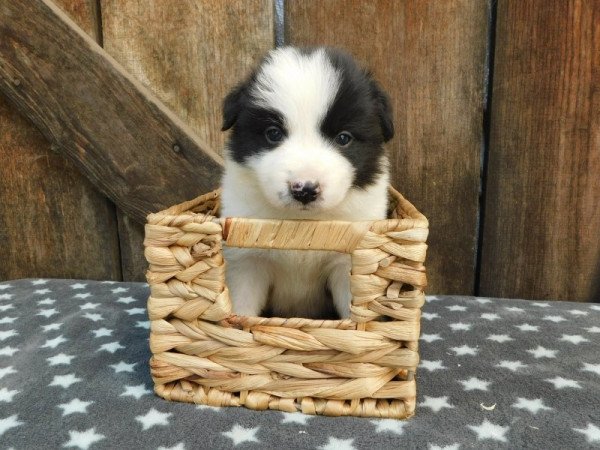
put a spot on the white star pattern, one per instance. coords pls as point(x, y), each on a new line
point(511, 365)
point(436, 403)
point(83, 439)
point(459, 326)
point(338, 444)
point(541, 304)
point(153, 418)
point(499, 338)
point(431, 365)
point(445, 447)
point(475, 384)
point(46, 301)
point(209, 407)
point(119, 290)
point(6, 307)
point(122, 366)
point(591, 433)
point(53, 343)
point(490, 316)
point(59, 359)
point(561, 383)
point(47, 313)
point(389, 425)
point(542, 352)
point(110, 347)
point(429, 316)
point(4, 335)
point(93, 317)
point(74, 406)
point(8, 423)
point(464, 350)
point(8, 351)
point(430, 337)
point(594, 368)
point(595, 307)
point(432, 298)
point(51, 327)
point(82, 295)
point(473, 339)
point(6, 296)
point(555, 319)
point(533, 406)
point(7, 395)
point(38, 282)
point(296, 417)
point(102, 332)
point(65, 381)
point(178, 446)
point(456, 308)
point(527, 327)
point(136, 391)
point(4, 287)
point(574, 338)
point(488, 430)
point(239, 434)
point(6, 371)
point(42, 291)
point(89, 305)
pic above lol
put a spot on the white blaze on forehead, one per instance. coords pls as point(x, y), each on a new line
point(299, 86)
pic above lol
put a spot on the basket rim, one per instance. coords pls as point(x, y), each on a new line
point(414, 218)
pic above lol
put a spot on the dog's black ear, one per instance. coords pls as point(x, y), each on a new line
point(384, 111)
point(232, 105)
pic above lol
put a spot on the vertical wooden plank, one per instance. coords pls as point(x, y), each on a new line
point(131, 243)
point(430, 57)
point(53, 223)
point(190, 54)
point(542, 227)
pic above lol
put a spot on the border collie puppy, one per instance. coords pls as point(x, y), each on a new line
point(308, 128)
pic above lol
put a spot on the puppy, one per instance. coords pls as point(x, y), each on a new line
point(308, 128)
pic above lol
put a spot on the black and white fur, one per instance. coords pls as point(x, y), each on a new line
point(308, 128)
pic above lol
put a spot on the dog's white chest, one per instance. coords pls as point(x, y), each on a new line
point(300, 288)
point(298, 281)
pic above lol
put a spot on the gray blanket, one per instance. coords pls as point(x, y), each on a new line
point(494, 374)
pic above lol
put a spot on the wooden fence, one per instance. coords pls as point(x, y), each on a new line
point(496, 111)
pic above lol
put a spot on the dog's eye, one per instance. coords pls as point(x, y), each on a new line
point(274, 134)
point(343, 139)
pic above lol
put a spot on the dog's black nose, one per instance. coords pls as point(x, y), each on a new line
point(305, 191)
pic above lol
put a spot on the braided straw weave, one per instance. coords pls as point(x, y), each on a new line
point(202, 353)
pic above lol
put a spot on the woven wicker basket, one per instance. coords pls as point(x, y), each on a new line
point(363, 366)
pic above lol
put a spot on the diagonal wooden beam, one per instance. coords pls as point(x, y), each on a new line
point(132, 148)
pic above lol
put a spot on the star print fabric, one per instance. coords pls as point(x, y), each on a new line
point(494, 373)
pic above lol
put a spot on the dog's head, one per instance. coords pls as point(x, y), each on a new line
point(310, 125)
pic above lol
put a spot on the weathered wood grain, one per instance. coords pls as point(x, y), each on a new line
point(541, 225)
point(193, 53)
point(85, 14)
point(430, 57)
point(190, 57)
point(117, 133)
point(131, 242)
point(53, 222)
